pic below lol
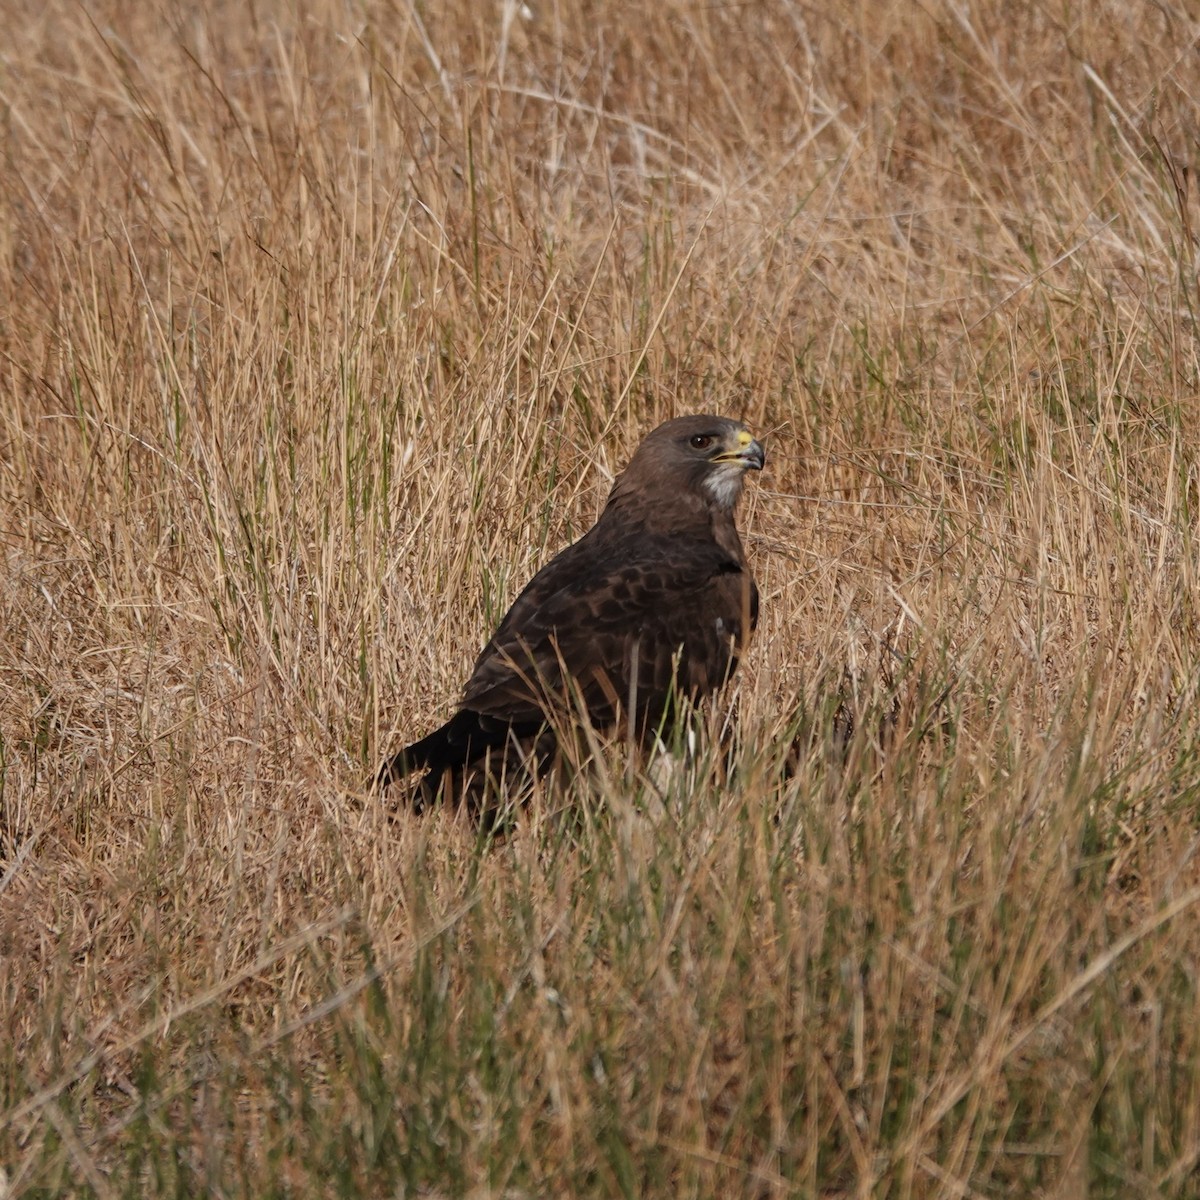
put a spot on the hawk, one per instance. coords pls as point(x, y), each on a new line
point(654, 603)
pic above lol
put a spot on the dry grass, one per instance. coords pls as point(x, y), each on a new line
point(322, 326)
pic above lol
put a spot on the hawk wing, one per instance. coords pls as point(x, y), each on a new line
point(607, 622)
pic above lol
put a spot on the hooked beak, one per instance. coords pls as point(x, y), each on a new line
point(753, 457)
point(748, 453)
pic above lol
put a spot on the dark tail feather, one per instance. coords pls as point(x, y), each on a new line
point(465, 737)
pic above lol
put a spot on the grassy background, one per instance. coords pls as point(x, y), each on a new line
point(322, 326)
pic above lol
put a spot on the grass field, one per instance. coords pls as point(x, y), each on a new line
point(323, 326)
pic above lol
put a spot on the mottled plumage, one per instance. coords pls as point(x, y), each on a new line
point(654, 601)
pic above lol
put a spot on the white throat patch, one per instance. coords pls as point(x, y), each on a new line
point(724, 484)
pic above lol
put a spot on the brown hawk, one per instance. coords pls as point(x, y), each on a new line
point(653, 603)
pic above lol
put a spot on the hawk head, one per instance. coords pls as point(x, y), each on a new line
point(704, 455)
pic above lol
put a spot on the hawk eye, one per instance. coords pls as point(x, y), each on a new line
point(701, 441)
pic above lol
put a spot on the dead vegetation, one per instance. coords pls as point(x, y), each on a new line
point(321, 328)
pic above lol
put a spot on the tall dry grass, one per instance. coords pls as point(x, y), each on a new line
point(323, 326)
